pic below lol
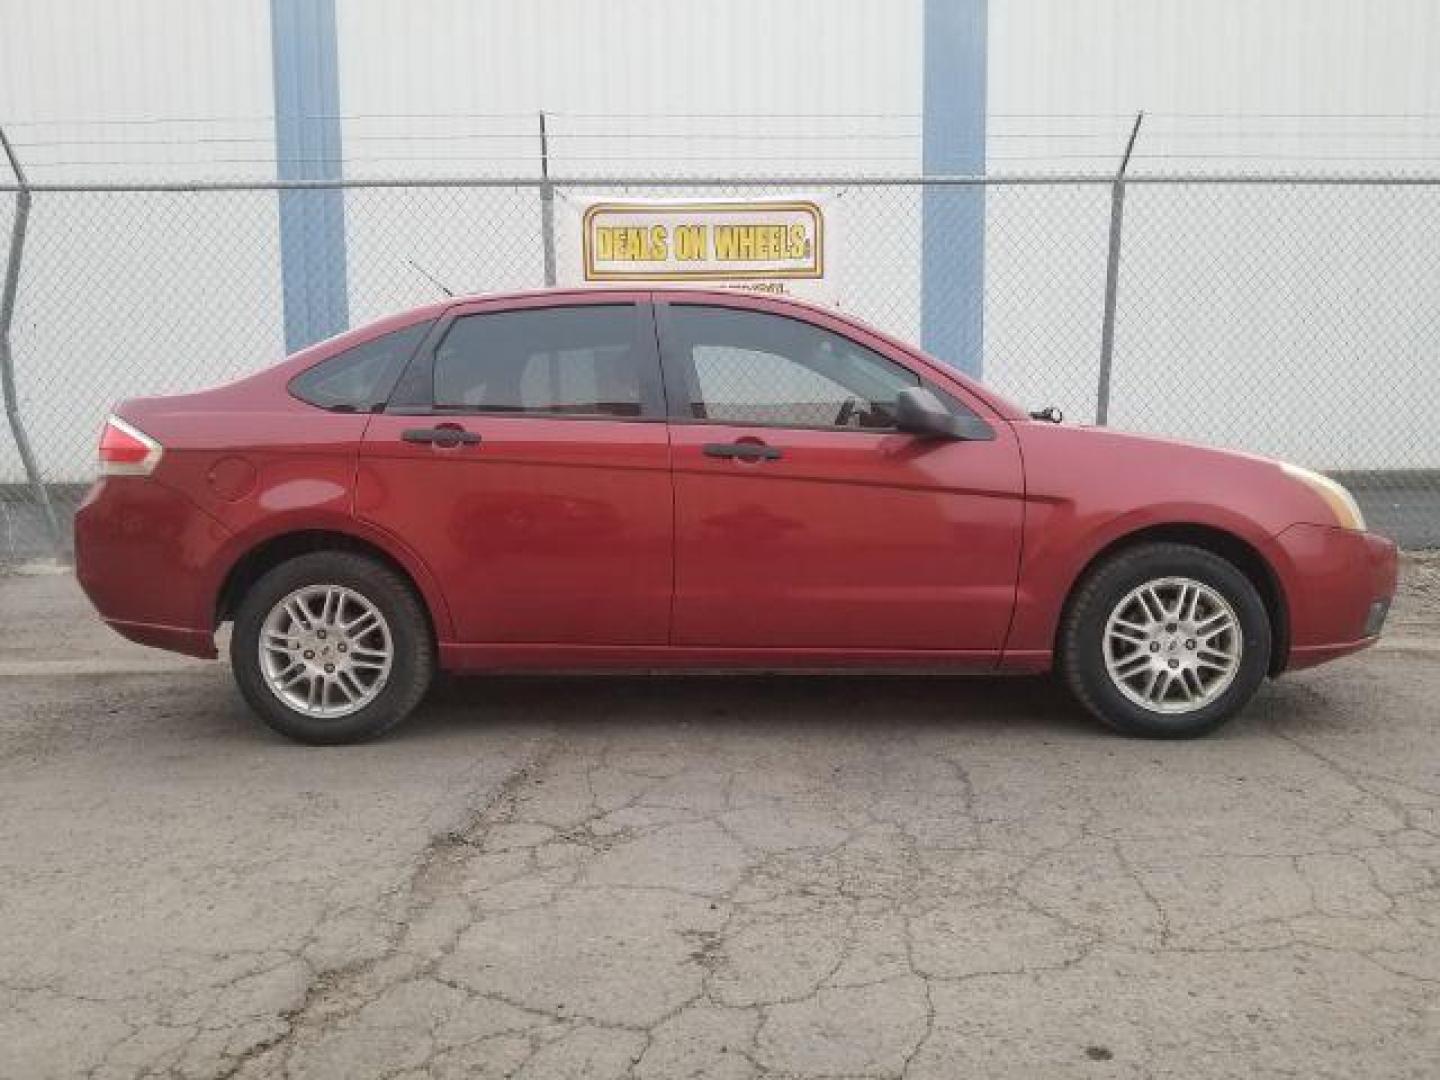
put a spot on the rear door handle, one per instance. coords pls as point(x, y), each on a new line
point(441, 436)
point(744, 451)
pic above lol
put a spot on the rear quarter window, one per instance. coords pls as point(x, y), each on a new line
point(360, 378)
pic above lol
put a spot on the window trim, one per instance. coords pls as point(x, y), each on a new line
point(421, 369)
point(383, 393)
point(679, 374)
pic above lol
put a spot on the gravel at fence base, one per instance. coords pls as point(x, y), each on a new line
point(1416, 612)
point(1405, 508)
point(669, 876)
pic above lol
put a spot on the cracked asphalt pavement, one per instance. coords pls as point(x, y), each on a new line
point(723, 877)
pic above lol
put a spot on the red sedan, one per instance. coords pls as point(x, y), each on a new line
point(675, 478)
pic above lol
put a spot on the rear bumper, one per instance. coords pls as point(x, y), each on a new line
point(143, 553)
point(176, 639)
point(1335, 578)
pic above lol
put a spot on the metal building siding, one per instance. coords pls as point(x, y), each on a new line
point(1284, 84)
point(631, 81)
point(447, 88)
point(179, 291)
point(1247, 315)
point(155, 89)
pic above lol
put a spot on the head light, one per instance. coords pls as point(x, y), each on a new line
point(1341, 502)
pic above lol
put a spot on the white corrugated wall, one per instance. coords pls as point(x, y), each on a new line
point(1311, 296)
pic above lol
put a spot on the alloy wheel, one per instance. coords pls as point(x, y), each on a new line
point(326, 651)
point(1173, 645)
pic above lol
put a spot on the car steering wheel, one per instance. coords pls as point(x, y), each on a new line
point(848, 408)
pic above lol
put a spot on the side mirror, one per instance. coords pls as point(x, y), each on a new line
point(919, 411)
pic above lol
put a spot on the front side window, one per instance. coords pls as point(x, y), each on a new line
point(575, 361)
point(360, 378)
point(751, 367)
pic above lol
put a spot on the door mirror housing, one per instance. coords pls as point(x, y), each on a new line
point(920, 412)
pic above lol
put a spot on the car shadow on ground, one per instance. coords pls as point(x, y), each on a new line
point(748, 703)
point(819, 702)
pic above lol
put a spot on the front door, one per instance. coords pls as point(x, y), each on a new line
point(525, 459)
point(803, 519)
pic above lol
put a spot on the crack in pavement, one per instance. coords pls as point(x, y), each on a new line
point(729, 878)
point(797, 913)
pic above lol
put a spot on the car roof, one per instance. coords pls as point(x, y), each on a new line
point(744, 297)
point(561, 291)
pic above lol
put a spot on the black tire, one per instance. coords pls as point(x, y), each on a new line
point(1082, 633)
point(412, 666)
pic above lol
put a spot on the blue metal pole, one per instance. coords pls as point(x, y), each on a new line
point(307, 147)
point(953, 134)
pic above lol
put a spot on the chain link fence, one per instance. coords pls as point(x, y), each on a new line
point(1297, 317)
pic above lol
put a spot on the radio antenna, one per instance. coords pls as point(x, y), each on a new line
point(430, 277)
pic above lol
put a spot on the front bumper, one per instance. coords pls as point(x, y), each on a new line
point(1339, 584)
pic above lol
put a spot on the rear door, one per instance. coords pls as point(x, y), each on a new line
point(803, 518)
point(524, 457)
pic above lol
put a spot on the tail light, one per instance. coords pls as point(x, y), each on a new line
point(125, 450)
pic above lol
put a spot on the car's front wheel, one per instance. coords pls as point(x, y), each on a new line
point(332, 647)
point(1165, 640)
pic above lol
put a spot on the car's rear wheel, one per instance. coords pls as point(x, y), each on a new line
point(1165, 641)
point(332, 647)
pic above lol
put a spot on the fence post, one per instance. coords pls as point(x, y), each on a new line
point(1112, 278)
point(547, 204)
point(7, 354)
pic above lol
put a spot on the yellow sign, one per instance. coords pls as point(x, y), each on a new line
point(712, 241)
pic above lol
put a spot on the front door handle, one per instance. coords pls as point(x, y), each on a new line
point(441, 436)
point(744, 451)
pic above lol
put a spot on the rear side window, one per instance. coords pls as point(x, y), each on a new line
point(360, 379)
point(563, 361)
